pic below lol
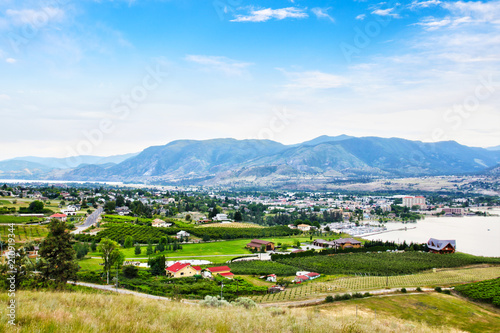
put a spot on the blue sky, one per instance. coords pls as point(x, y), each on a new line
point(112, 77)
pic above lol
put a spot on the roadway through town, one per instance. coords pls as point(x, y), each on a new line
point(89, 221)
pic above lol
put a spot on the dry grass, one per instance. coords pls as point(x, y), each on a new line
point(85, 312)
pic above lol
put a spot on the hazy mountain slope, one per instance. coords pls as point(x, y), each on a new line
point(71, 162)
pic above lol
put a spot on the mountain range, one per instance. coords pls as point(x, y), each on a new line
point(226, 161)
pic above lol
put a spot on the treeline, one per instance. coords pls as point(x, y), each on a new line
point(306, 217)
point(144, 234)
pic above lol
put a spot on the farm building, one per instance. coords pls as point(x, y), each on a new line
point(223, 271)
point(60, 217)
point(257, 243)
point(441, 246)
point(179, 269)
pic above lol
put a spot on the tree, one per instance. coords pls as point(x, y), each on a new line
point(238, 217)
point(93, 245)
point(157, 265)
point(109, 207)
point(129, 242)
point(137, 249)
point(57, 255)
point(130, 271)
point(149, 249)
point(188, 217)
point(36, 207)
point(110, 254)
point(120, 201)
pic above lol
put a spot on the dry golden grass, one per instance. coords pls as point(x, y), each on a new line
point(86, 312)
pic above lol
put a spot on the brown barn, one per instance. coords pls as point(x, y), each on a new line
point(441, 246)
point(257, 243)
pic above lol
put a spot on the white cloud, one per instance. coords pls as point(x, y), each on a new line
point(11, 60)
point(424, 4)
point(386, 12)
point(314, 80)
point(36, 18)
point(360, 17)
point(223, 64)
point(4, 97)
point(263, 15)
point(431, 23)
point(322, 13)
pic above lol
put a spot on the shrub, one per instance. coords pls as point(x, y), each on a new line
point(403, 290)
point(438, 289)
point(367, 294)
point(329, 299)
point(357, 295)
point(244, 302)
point(130, 271)
point(212, 301)
point(419, 289)
point(447, 291)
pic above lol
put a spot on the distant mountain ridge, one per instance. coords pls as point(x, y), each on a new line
point(227, 161)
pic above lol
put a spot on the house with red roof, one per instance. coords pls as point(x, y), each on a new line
point(60, 217)
point(301, 278)
point(313, 275)
point(223, 271)
point(180, 269)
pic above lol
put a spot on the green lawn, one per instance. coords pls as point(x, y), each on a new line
point(434, 309)
point(235, 247)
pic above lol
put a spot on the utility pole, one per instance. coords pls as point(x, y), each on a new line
point(117, 277)
point(221, 286)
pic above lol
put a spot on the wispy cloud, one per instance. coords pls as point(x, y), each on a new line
point(4, 97)
point(424, 4)
point(386, 12)
point(263, 15)
point(11, 60)
point(313, 80)
point(322, 13)
point(35, 17)
point(222, 64)
point(361, 17)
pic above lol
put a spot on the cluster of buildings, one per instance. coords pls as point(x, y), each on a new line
point(179, 269)
point(342, 243)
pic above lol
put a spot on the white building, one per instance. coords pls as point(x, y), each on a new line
point(414, 201)
point(183, 233)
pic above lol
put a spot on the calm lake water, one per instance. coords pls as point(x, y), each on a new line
point(474, 234)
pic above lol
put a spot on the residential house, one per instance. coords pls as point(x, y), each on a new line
point(345, 243)
point(256, 244)
point(220, 218)
point(313, 275)
point(183, 233)
point(304, 227)
point(160, 223)
point(122, 210)
point(223, 271)
point(441, 246)
point(60, 217)
point(272, 278)
point(179, 270)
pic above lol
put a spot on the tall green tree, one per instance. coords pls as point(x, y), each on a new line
point(157, 265)
point(58, 259)
point(129, 242)
point(137, 249)
point(111, 255)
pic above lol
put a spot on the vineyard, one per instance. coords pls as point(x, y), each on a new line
point(385, 263)
point(24, 233)
point(144, 233)
point(19, 219)
point(230, 225)
point(486, 291)
point(351, 284)
point(258, 267)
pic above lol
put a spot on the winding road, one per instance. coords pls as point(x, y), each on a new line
point(91, 220)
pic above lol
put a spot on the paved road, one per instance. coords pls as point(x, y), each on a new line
point(125, 291)
point(91, 219)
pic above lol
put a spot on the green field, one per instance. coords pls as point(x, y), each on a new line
point(24, 233)
point(19, 219)
point(385, 263)
point(486, 291)
point(325, 285)
point(432, 309)
point(234, 247)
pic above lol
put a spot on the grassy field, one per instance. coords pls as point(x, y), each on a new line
point(19, 219)
point(95, 312)
point(433, 309)
point(326, 285)
point(24, 233)
point(235, 247)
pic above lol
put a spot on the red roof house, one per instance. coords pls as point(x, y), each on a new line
point(182, 270)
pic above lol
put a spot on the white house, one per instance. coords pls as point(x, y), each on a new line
point(304, 227)
point(160, 223)
point(220, 217)
point(183, 233)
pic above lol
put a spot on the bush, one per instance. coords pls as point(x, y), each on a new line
point(212, 301)
point(244, 302)
point(329, 299)
point(419, 289)
point(367, 294)
point(403, 290)
point(357, 295)
point(438, 289)
point(447, 292)
point(130, 271)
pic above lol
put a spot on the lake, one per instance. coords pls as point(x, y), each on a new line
point(475, 235)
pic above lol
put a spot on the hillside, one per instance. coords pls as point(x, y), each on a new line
point(230, 161)
point(108, 312)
